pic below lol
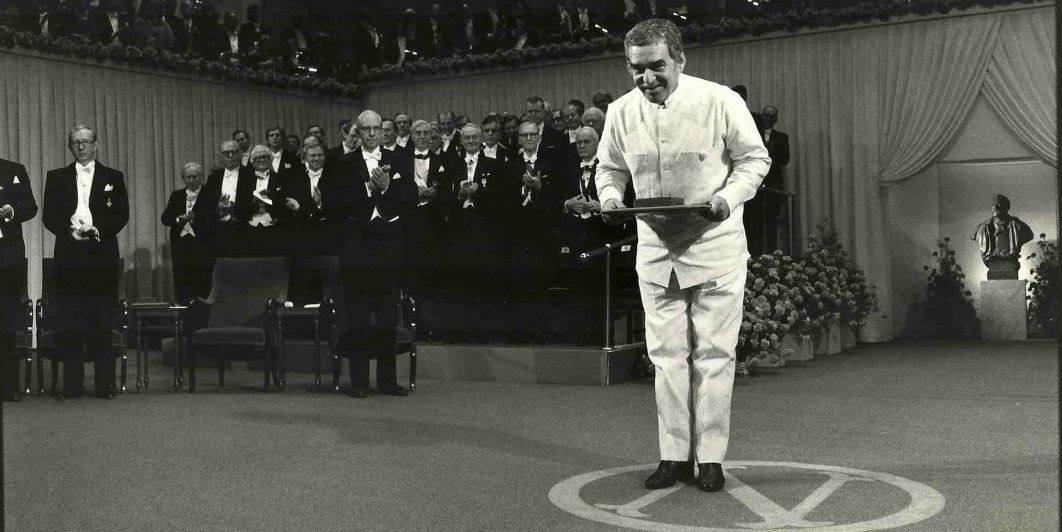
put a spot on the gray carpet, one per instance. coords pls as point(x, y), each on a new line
point(976, 422)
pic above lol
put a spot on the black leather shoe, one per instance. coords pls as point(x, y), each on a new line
point(710, 477)
point(359, 393)
point(395, 390)
point(668, 472)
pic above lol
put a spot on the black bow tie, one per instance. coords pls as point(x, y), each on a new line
point(422, 156)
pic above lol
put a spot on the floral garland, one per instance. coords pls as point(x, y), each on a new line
point(83, 48)
point(696, 33)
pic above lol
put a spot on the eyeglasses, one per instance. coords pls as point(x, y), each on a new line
point(230, 153)
point(368, 129)
point(528, 135)
point(81, 143)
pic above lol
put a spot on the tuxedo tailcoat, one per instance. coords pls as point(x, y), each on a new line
point(192, 255)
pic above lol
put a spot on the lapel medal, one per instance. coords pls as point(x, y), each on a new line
point(108, 203)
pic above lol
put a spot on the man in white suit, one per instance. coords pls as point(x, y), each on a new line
point(680, 136)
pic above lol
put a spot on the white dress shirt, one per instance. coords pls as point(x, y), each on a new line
point(446, 140)
point(82, 216)
point(702, 142)
point(276, 160)
point(572, 135)
point(372, 162)
point(529, 161)
point(421, 167)
point(234, 43)
point(490, 151)
point(403, 141)
point(470, 164)
point(261, 185)
point(315, 178)
point(189, 203)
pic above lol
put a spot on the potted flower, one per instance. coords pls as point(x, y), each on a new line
point(769, 312)
point(1045, 302)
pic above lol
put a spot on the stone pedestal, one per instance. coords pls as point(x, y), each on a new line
point(1003, 309)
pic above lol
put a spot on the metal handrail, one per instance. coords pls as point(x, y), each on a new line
point(606, 250)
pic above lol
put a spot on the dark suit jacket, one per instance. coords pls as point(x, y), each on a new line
point(373, 243)
point(207, 38)
point(247, 204)
point(477, 237)
point(441, 44)
point(109, 204)
point(367, 54)
point(250, 36)
point(778, 148)
point(20, 196)
point(202, 214)
point(244, 189)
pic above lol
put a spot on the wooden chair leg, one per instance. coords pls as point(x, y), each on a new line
point(125, 361)
point(337, 365)
point(28, 373)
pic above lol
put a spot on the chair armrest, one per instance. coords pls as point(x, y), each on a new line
point(196, 315)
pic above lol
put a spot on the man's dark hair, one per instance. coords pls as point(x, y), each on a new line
point(491, 118)
point(535, 100)
point(656, 30)
point(344, 122)
point(578, 105)
point(386, 120)
point(238, 131)
point(741, 90)
point(276, 128)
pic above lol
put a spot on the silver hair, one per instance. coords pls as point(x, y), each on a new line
point(80, 127)
point(590, 130)
point(192, 166)
point(594, 111)
point(260, 149)
point(419, 122)
point(471, 126)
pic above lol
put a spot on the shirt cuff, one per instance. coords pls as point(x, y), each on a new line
point(609, 193)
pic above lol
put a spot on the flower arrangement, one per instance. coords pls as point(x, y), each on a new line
point(83, 48)
point(769, 310)
point(1045, 301)
point(857, 297)
point(822, 297)
point(948, 311)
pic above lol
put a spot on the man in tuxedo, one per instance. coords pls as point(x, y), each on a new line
point(232, 42)
point(205, 35)
point(377, 196)
point(189, 214)
point(426, 228)
point(530, 199)
point(434, 33)
point(243, 140)
point(224, 185)
point(595, 118)
point(349, 144)
point(282, 160)
point(367, 43)
point(389, 139)
point(448, 133)
point(259, 209)
point(535, 109)
point(492, 147)
point(85, 207)
point(403, 124)
point(762, 217)
point(16, 206)
point(318, 132)
point(477, 249)
point(573, 118)
point(304, 223)
point(744, 93)
point(253, 37)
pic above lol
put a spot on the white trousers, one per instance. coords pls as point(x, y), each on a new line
point(691, 335)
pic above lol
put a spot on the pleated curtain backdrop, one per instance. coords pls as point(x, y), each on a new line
point(864, 107)
point(148, 125)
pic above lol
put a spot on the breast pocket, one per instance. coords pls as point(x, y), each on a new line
point(700, 173)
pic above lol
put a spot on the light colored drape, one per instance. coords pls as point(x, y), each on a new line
point(148, 125)
point(1019, 83)
point(863, 107)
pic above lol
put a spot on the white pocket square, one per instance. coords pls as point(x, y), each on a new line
point(108, 188)
point(395, 219)
point(16, 181)
point(397, 176)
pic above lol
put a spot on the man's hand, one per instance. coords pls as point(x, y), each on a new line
point(468, 189)
point(612, 219)
point(184, 217)
point(593, 206)
point(533, 182)
point(380, 179)
point(718, 211)
point(83, 233)
point(291, 204)
point(574, 205)
point(7, 212)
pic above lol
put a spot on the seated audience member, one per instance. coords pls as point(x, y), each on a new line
point(224, 185)
point(243, 139)
point(105, 20)
point(601, 100)
point(316, 131)
point(282, 159)
point(595, 118)
point(253, 36)
point(292, 145)
point(573, 118)
point(189, 214)
point(434, 33)
point(466, 32)
point(492, 146)
point(399, 42)
point(367, 43)
point(521, 37)
point(558, 25)
point(477, 249)
point(298, 36)
point(403, 124)
point(350, 144)
point(262, 209)
point(206, 37)
point(389, 137)
point(586, 22)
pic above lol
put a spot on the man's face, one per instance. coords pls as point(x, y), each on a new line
point(274, 139)
point(291, 144)
point(230, 154)
point(446, 123)
point(231, 22)
point(344, 130)
point(586, 145)
point(243, 140)
point(193, 179)
point(369, 132)
point(317, 132)
point(315, 157)
point(528, 137)
point(594, 122)
point(82, 144)
point(470, 140)
point(436, 140)
point(572, 117)
point(491, 133)
point(422, 138)
point(262, 162)
point(556, 121)
point(535, 112)
point(402, 123)
point(655, 72)
point(769, 117)
point(310, 141)
point(388, 133)
point(511, 127)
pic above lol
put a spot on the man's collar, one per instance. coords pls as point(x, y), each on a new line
point(375, 152)
point(91, 166)
point(532, 155)
point(418, 152)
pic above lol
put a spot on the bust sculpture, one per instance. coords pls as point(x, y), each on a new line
point(1000, 239)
